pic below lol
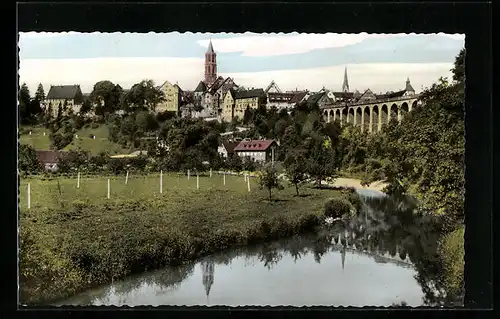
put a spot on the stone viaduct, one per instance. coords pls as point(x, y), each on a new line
point(371, 115)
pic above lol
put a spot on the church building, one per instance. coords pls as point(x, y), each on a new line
point(210, 92)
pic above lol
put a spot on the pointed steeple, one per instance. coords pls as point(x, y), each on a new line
point(208, 276)
point(210, 47)
point(345, 85)
point(210, 65)
point(408, 87)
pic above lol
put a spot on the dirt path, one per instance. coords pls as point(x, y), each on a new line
point(356, 183)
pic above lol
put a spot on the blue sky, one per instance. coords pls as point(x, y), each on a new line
point(306, 61)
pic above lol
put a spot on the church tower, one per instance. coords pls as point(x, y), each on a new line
point(345, 85)
point(210, 65)
point(207, 269)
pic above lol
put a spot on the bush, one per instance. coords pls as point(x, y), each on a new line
point(451, 250)
point(28, 161)
point(337, 208)
point(37, 266)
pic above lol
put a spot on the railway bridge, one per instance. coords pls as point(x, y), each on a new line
point(371, 115)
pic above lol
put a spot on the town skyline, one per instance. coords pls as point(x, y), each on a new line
point(293, 61)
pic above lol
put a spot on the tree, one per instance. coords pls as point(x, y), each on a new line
point(320, 158)
point(28, 161)
point(24, 103)
point(295, 169)
point(62, 134)
point(40, 93)
point(48, 115)
point(248, 115)
point(107, 96)
point(146, 121)
point(74, 160)
point(459, 67)
point(86, 107)
point(144, 96)
point(269, 179)
point(234, 162)
point(59, 112)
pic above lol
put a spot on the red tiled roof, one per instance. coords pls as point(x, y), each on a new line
point(254, 145)
point(49, 156)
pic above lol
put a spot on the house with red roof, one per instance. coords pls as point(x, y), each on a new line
point(258, 150)
point(227, 148)
point(50, 159)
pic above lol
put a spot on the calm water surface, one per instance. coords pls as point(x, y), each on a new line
point(373, 260)
point(269, 275)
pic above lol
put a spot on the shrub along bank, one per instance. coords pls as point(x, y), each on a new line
point(65, 251)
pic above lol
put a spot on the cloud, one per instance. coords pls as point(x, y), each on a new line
point(272, 45)
point(379, 77)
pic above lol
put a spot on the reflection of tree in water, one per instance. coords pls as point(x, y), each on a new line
point(297, 248)
point(270, 255)
point(165, 280)
point(170, 278)
point(389, 226)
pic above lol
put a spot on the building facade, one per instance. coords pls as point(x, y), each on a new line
point(173, 98)
point(236, 103)
point(258, 150)
point(68, 97)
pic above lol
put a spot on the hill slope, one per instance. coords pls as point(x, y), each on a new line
point(101, 142)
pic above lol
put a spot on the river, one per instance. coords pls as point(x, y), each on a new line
point(377, 259)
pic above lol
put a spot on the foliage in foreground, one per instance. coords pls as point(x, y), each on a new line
point(452, 250)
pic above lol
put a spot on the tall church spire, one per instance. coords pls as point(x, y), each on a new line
point(210, 47)
point(207, 269)
point(210, 65)
point(345, 85)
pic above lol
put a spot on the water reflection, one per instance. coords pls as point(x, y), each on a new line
point(384, 256)
point(208, 276)
point(392, 226)
point(300, 271)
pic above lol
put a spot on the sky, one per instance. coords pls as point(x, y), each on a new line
point(380, 62)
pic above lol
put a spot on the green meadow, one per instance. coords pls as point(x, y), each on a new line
point(101, 142)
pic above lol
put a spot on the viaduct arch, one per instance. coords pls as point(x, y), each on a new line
point(371, 116)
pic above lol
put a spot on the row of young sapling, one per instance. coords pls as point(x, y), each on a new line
point(246, 178)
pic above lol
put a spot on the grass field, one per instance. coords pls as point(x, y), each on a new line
point(93, 189)
point(101, 142)
point(80, 238)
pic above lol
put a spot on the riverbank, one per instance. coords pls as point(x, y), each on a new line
point(69, 248)
point(356, 183)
